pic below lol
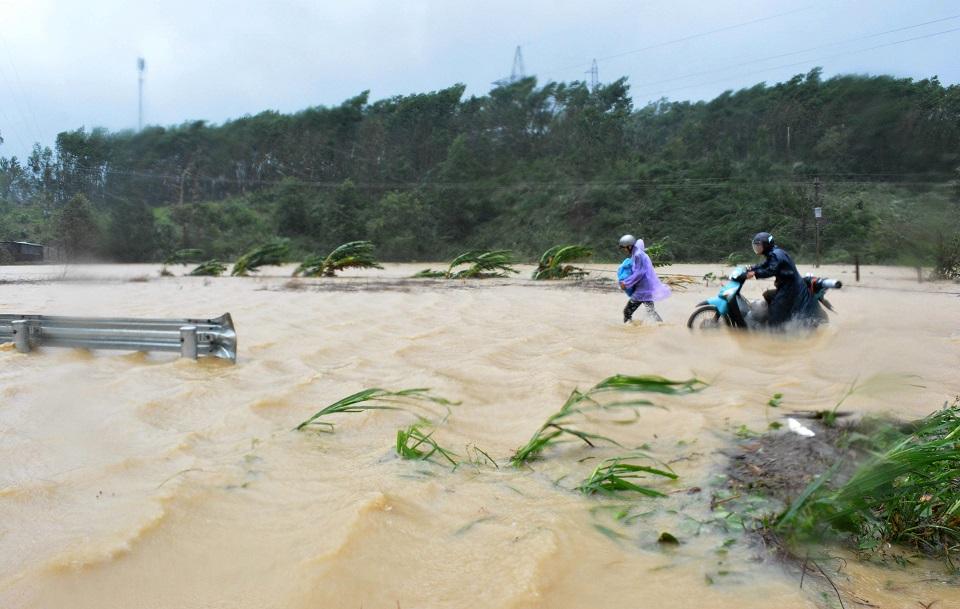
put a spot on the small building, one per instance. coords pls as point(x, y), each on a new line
point(22, 252)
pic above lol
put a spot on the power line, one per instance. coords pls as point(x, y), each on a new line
point(799, 52)
point(808, 62)
point(658, 45)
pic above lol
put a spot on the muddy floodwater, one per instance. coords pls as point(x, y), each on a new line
point(141, 480)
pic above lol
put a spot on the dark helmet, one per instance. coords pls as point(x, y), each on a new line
point(764, 240)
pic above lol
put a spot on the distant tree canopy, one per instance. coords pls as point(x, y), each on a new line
point(524, 167)
point(76, 228)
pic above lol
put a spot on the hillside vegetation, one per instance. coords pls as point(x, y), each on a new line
point(523, 168)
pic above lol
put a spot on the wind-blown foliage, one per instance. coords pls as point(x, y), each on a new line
point(272, 253)
point(658, 252)
point(566, 421)
point(524, 166)
point(412, 443)
point(616, 475)
point(210, 268)
point(555, 263)
point(908, 494)
point(355, 254)
point(482, 265)
point(373, 399)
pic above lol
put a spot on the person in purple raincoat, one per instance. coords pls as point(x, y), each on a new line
point(642, 285)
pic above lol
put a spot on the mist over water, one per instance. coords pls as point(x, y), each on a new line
point(140, 480)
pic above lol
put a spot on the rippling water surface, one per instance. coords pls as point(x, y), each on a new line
point(139, 480)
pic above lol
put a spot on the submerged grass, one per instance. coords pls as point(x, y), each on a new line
point(616, 475)
point(413, 443)
point(373, 398)
point(562, 423)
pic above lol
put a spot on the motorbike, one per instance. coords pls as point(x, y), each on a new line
point(730, 308)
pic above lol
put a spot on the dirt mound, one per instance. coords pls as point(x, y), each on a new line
point(781, 464)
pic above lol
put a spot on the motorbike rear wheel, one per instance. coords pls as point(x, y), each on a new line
point(706, 318)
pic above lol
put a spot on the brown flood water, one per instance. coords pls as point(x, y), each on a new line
point(138, 480)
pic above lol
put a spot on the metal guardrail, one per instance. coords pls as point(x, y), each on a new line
point(190, 337)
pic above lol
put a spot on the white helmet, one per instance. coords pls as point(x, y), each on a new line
point(628, 241)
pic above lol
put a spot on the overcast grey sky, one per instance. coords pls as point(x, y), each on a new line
point(69, 64)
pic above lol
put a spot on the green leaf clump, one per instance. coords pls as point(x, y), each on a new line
point(617, 475)
point(659, 253)
point(210, 268)
point(556, 262)
point(483, 264)
point(273, 253)
point(353, 254)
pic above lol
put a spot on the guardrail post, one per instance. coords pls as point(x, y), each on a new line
point(188, 341)
point(21, 335)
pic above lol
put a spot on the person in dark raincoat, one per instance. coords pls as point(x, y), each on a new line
point(792, 299)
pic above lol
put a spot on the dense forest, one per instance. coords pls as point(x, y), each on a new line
point(525, 167)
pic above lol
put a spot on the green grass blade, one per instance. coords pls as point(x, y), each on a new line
point(375, 398)
point(579, 404)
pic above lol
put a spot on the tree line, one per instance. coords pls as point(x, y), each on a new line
point(524, 167)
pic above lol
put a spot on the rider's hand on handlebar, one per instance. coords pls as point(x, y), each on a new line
point(751, 274)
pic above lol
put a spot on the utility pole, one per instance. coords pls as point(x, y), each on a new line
point(141, 66)
point(817, 213)
point(594, 73)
